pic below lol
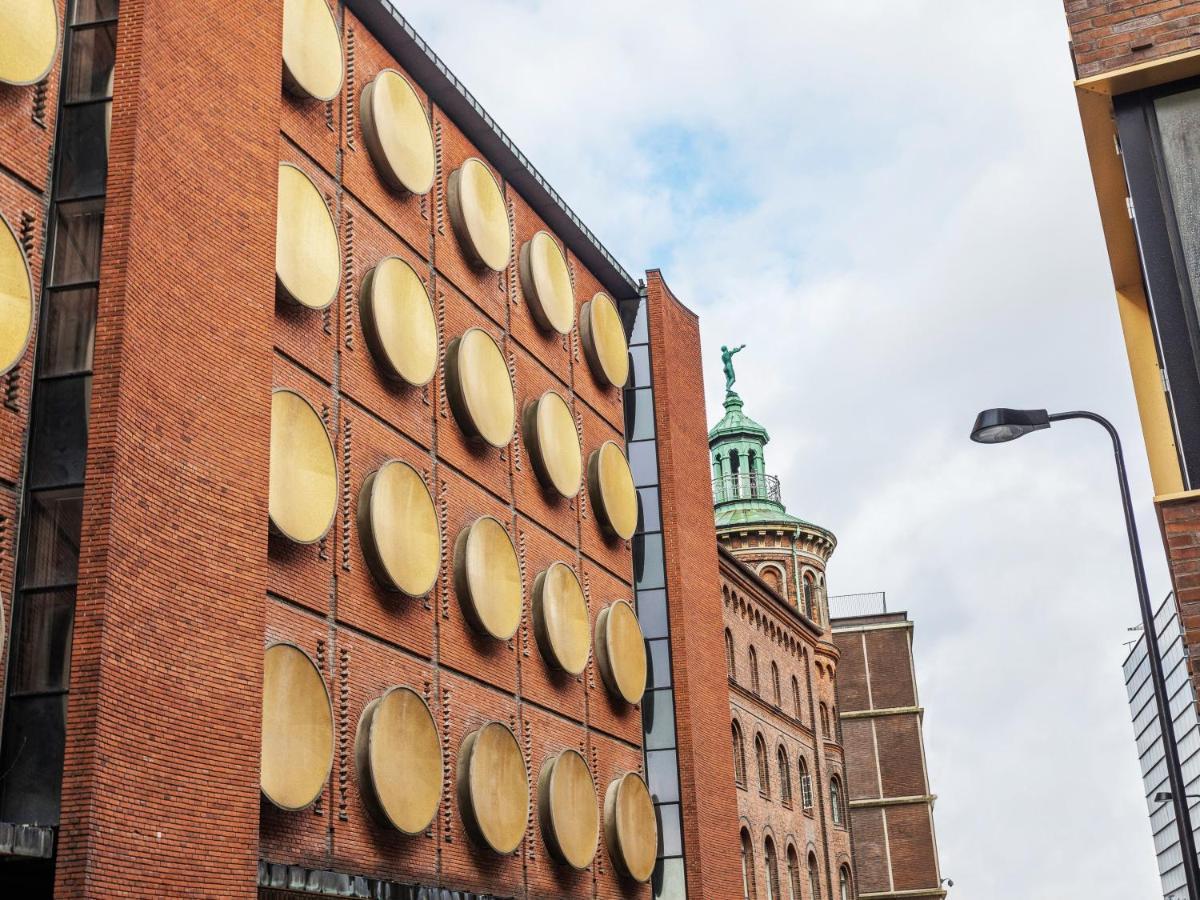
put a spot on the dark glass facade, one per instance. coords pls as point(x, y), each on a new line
point(658, 705)
point(32, 742)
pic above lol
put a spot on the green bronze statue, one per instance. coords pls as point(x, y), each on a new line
point(727, 363)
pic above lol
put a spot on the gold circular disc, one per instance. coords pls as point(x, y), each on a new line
point(397, 134)
point(399, 760)
point(630, 829)
point(398, 526)
point(546, 281)
point(16, 298)
point(553, 444)
point(621, 651)
point(603, 338)
point(487, 578)
point(398, 322)
point(567, 810)
point(493, 787)
point(28, 40)
point(610, 485)
point(303, 483)
point(297, 728)
point(308, 259)
point(560, 618)
point(478, 214)
point(312, 50)
point(480, 388)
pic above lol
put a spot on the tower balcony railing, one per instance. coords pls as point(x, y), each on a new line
point(746, 486)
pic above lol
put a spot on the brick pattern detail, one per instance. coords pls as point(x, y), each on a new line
point(1111, 34)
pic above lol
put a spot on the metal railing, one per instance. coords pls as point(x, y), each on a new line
point(746, 486)
point(847, 606)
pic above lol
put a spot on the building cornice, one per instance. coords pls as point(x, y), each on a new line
point(740, 568)
point(887, 711)
point(876, 803)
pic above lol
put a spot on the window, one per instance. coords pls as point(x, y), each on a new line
point(739, 755)
point(796, 697)
point(785, 778)
point(772, 869)
point(1157, 131)
point(775, 684)
point(764, 772)
point(835, 724)
point(754, 670)
point(793, 864)
point(729, 662)
point(747, 867)
point(835, 800)
point(806, 798)
point(814, 876)
point(824, 720)
point(809, 598)
point(844, 883)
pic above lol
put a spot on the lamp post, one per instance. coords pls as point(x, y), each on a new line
point(996, 426)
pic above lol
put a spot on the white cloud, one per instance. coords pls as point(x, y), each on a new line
point(889, 203)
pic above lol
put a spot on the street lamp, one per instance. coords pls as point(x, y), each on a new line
point(996, 426)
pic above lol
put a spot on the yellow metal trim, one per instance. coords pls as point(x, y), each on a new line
point(1108, 176)
point(1164, 499)
point(1143, 75)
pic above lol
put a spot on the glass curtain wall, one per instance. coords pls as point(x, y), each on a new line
point(34, 731)
point(658, 705)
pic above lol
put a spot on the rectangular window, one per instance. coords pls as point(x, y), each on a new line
point(82, 151)
point(658, 717)
point(79, 227)
point(93, 55)
point(32, 758)
point(52, 539)
point(69, 334)
point(41, 643)
point(58, 449)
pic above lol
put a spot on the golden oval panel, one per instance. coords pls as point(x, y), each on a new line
point(630, 829)
point(308, 258)
point(493, 787)
point(603, 337)
point(16, 298)
point(478, 215)
point(621, 651)
point(479, 388)
point(297, 728)
point(302, 496)
point(567, 809)
point(487, 578)
point(399, 760)
point(312, 50)
point(553, 443)
point(610, 485)
point(397, 133)
point(560, 619)
point(28, 40)
point(546, 282)
point(398, 527)
point(398, 322)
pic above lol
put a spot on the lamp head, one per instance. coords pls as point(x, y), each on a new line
point(995, 426)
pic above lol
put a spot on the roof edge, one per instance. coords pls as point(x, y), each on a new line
point(451, 95)
point(725, 553)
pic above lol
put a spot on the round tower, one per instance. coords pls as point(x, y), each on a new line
point(788, 553)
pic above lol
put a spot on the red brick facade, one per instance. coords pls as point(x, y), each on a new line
point(781, 671)
point(895, 849)
point(181, 586)
point(1119, 33)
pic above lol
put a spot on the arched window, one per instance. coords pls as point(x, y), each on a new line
point(785, 778)
point(754, 670)
point(772, 869)
point(735, 462)
point(729, 661)
point(775, 684)
point(824, 720)
point(764, 771)
point(793, 863)
point(814, 876)
point(805, 785)
point(770, 575)
point(835, 725)
point(810, 596)
point(796, 696)
point(844, 884)
point(747, 867)
point(739, 755)
point(835, 800)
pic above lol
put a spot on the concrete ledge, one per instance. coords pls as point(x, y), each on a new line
point(27, 841)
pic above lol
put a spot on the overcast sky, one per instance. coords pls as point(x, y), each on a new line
point(889, 202)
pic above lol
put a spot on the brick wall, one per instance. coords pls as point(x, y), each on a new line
point(1180, 521)
point(693, 590)
point(1119, 33)
point(758, 618)
point(894, 844)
